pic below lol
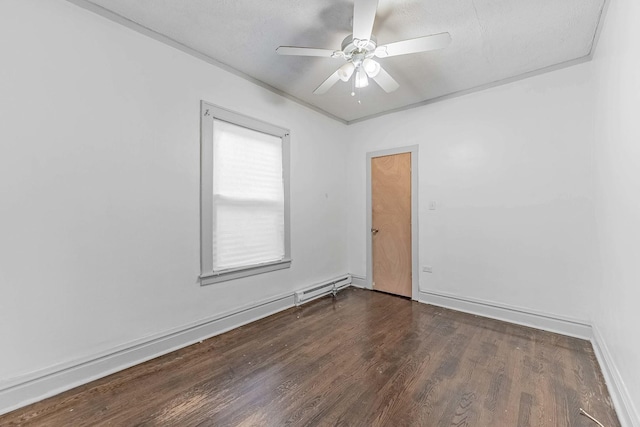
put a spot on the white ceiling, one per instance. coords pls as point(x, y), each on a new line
point(493, 40)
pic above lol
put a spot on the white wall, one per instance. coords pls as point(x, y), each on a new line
point(99, 187)
point(511, 170)
point(617, 130)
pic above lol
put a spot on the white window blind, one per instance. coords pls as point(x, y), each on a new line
point(248, 197)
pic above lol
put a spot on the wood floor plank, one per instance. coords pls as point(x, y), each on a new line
point(363, 358)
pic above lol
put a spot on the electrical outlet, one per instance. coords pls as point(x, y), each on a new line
point(427, 269)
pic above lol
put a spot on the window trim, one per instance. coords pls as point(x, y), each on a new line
point(209, 112)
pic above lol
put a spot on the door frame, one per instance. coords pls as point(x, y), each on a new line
point(413, 149)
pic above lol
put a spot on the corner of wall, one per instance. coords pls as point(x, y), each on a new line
point(622, 402)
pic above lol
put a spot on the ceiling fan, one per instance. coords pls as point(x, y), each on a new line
point(359, 49)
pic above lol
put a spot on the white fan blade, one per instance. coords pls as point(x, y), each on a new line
point(327, 84)
point(385, 81)
point(364, 13)
point(304, 51)
point(421, 44)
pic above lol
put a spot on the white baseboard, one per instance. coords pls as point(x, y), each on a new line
point(358, 281)
point(520, 316)
point(21, 391)
point(625, 408)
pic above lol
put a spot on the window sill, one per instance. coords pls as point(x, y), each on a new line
point(236, 273)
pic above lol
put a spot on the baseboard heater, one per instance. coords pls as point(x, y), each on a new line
point(322, 289)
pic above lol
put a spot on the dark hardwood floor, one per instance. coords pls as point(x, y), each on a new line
point(362, 359)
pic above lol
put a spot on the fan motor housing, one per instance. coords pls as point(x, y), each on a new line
point(351, 46)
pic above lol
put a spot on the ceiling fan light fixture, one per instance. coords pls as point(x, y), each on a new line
point(346, 71)
point(361, 79)
point(360, 47)
point(371, 67)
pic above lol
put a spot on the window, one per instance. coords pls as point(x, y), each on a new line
point(244, 196)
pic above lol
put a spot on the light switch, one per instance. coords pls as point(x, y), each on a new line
point(432, 205)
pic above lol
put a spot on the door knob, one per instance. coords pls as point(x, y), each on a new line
point(374, 230)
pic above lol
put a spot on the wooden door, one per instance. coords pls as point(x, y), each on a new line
point(391, 223)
